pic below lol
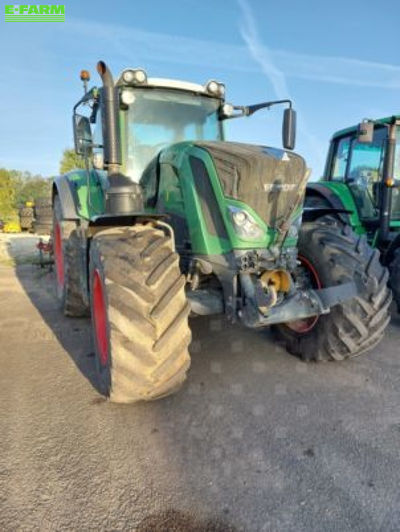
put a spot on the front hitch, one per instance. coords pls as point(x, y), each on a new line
point(299, 305)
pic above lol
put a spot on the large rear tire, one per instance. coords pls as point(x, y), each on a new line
point(139, 313)
point(332, 254)
point(395, 278)
point(68, 264)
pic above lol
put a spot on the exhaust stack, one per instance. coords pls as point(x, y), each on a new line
point(123, 195)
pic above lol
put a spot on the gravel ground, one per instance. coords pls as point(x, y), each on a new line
point(255, 441)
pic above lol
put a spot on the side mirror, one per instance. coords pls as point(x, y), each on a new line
point(365, 132)
point(289, 129)
point(82, 135)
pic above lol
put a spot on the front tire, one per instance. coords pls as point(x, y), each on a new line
point(333, 254)
point(139, 313)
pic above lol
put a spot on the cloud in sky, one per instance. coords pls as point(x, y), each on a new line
point(151, 46)
point(263, 57)
point(260, 53)
point(52, 91)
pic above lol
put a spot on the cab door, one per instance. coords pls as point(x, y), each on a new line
point(360, 167)
point(364, 173)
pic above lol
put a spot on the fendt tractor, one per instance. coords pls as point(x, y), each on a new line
point(362, 183)
point(170, 220)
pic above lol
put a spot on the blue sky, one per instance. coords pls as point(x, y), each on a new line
point(338, 61)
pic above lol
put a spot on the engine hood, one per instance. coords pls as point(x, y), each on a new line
point(269, 180)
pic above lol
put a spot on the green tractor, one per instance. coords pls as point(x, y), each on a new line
point(361, 183)
point(168, 220)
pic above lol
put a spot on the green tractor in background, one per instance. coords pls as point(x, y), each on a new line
point(170, 220)
point(362, 184)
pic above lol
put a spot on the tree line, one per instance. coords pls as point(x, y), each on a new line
point(18, 187)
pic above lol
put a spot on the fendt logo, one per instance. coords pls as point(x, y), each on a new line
point(35, 13)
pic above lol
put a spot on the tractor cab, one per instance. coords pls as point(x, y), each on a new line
point(363, 169)
point(132, 119)
point(156, 113)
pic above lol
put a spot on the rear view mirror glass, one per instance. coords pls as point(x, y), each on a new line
point(82, 135)
point(289, 129)
point(365, 132)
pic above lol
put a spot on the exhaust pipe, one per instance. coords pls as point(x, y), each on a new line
point(123, 196)
point(112, 148)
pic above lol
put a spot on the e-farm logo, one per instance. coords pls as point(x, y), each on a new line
point(35, 13)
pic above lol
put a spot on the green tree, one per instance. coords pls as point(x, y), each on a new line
point(16, 188)
point(70, 161)
point(8, 185)
point(32, 188)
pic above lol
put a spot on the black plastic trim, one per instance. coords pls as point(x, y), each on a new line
point(68, 198)
point(214, 221)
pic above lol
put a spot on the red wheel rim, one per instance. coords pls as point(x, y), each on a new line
point(307, 324)
point(100, 317)
point(59, 256)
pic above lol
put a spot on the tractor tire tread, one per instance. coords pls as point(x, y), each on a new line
point(355, 326)
point(148, 326)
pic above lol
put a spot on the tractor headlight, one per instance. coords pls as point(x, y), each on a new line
point(244, 224)
point(127, 96)
point(216, 88)
point(134, 77)
point(227, 110)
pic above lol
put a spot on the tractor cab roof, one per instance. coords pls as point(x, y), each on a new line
point(176, 84)
point(353, 129)
point(137, 78)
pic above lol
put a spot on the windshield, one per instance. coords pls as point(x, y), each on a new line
point(158, 117)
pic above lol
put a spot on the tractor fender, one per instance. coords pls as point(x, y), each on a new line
point(311, 214)
point(320, 191)
point(330, 204)
point(63, 187)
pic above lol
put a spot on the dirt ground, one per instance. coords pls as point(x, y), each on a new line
point(255, 441)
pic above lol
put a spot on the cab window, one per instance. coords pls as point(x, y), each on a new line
point(364, 173)
point(367, 159)
point(340, 159)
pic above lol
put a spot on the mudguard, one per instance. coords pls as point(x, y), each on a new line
point(69, 201)
point(312, 214)
point(325, 193)
point(333, 204)
point(81, 194)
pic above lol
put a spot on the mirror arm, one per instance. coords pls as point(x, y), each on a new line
point(91, 95)
point(95, 108)
point(248, 110)
point(240, 108)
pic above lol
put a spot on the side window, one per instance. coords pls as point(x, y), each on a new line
point(98, 131)
point(98, 154)
point(367, 159)
point(170, 187)
point(365, 171)
point(149, 183)
point(340, 158)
